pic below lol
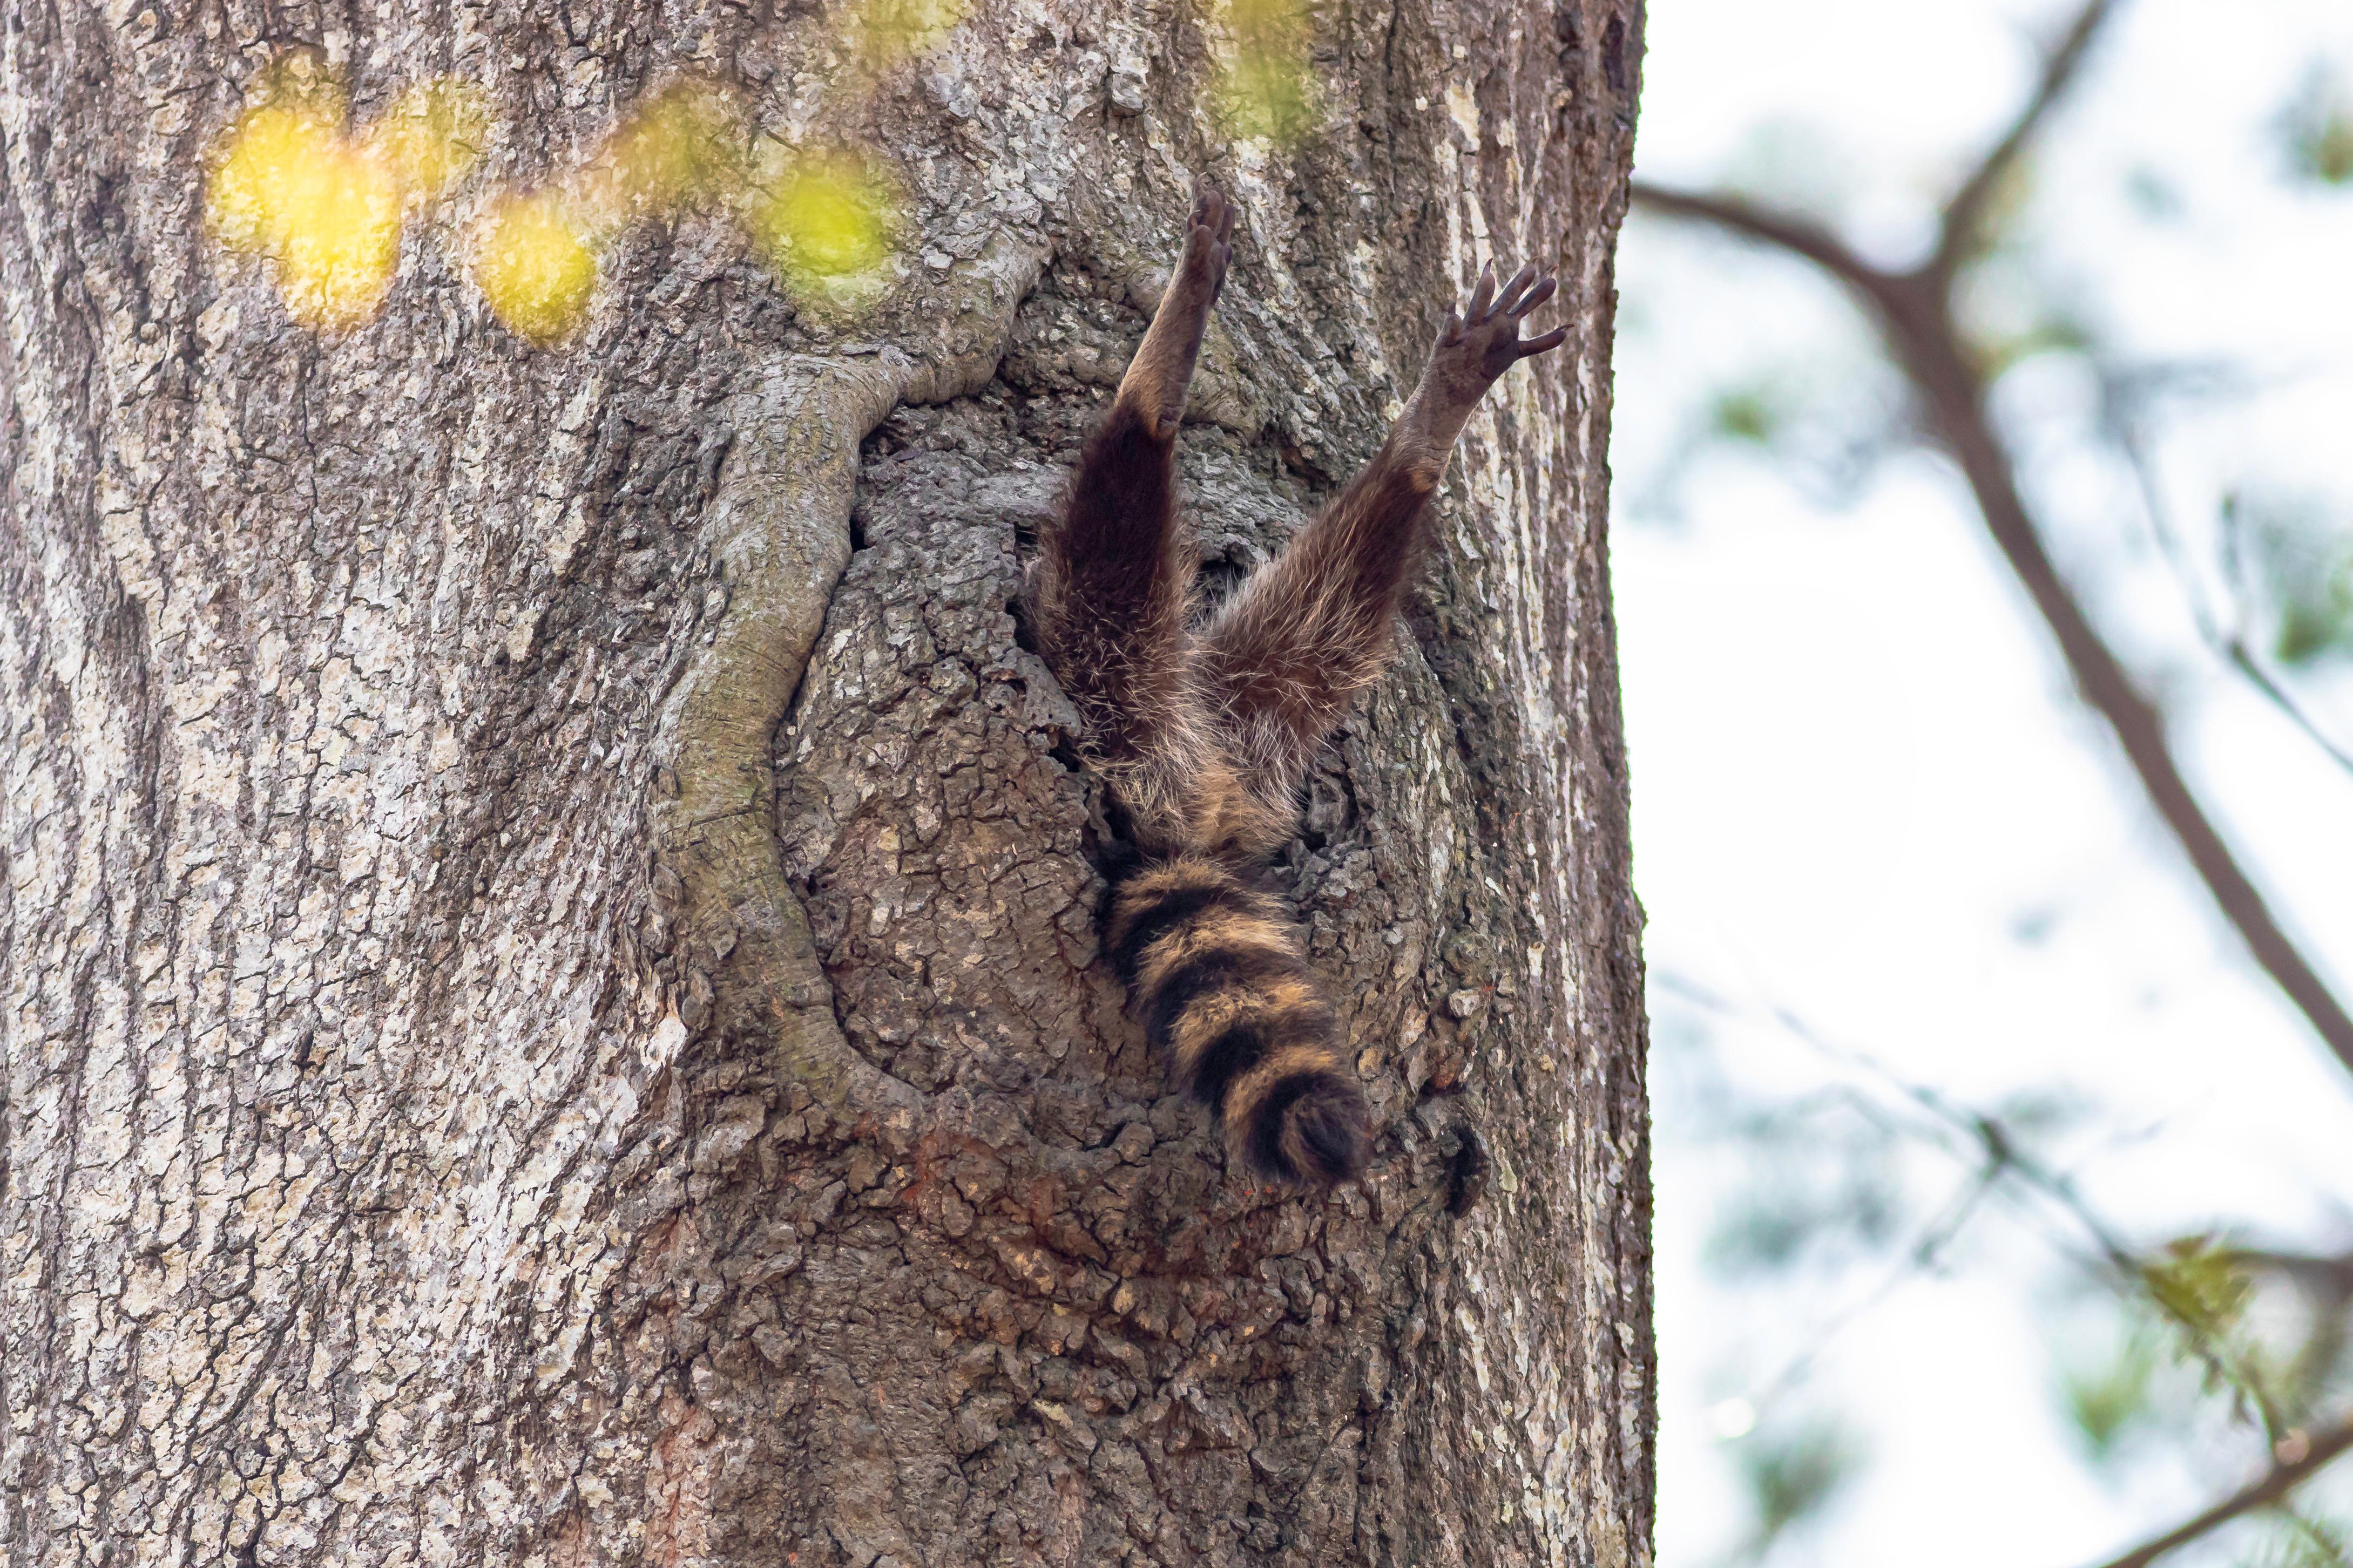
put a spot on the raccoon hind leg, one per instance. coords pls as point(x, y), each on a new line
point(1107, 596)
point(1291, 649)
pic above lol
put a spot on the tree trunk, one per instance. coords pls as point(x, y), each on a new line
point(548, 969)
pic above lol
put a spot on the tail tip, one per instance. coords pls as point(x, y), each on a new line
point(1322, 1138)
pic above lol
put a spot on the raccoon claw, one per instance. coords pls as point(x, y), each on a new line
point(1487, 332)
point(1162, 370)
point(1482, 339)
point(1208, 241)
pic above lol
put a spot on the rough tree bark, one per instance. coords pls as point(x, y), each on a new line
point(546, 937)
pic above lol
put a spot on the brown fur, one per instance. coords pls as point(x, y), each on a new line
point(1205, 742)
point(1213, 965)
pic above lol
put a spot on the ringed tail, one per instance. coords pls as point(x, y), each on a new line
point(1214, 966)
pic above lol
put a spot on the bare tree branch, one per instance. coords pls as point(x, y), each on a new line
point(2318, 1449)
point(2329, 1274)
point(2243, 659)
point(1965, 213)
point(1946, 381)
point(1800, 236)
point(1915, 316)
point(2326, 1282)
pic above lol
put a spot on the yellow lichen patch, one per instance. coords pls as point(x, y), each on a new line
point(322, 208)
point(824, 219)
point(290, 188)
point(431, 135)
point(888, 31)
point(534, 265)
point(674, 152)
point(255, 175)
point(1266, 91)
point(342, 243)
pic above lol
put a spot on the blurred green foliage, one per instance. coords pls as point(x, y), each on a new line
point(1793, 1472)
point(1823, 1181)
point(2316, 128)
point(1267, 90)
point(887, 31)
point(2199, 1285)
point(1751, 413)
point(1837, 1193)
point(2112, 1401)
point(293, 184)
point(536, 267)
point(2301, 1542)
point(290, 183)
point(2300, 564)
point(823, 219)
point(2153, 194)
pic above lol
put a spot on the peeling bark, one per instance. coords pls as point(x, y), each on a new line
point(547, 951)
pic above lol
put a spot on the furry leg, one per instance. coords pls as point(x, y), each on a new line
point(1292, 648)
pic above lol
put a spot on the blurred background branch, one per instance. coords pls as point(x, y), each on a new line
point(1962, 228)
point(1915, 311)
point(2309, 1453)
point(1867, 814)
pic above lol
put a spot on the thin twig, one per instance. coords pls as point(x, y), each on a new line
point(1964, 214)
point(2318, 1449)
point(2244, 662)
point(2000, 1153)
point(2329, 1273)
point(1939, 1233)
point(2231, 646)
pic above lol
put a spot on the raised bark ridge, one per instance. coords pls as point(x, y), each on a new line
point(779, 536)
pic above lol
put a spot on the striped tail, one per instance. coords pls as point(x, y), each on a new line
point(1214, 966)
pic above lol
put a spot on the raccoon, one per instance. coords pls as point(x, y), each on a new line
point(1204, 735)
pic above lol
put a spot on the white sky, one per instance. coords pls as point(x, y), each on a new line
point(1857, 768)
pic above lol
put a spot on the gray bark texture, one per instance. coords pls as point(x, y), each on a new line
point(548, 975)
